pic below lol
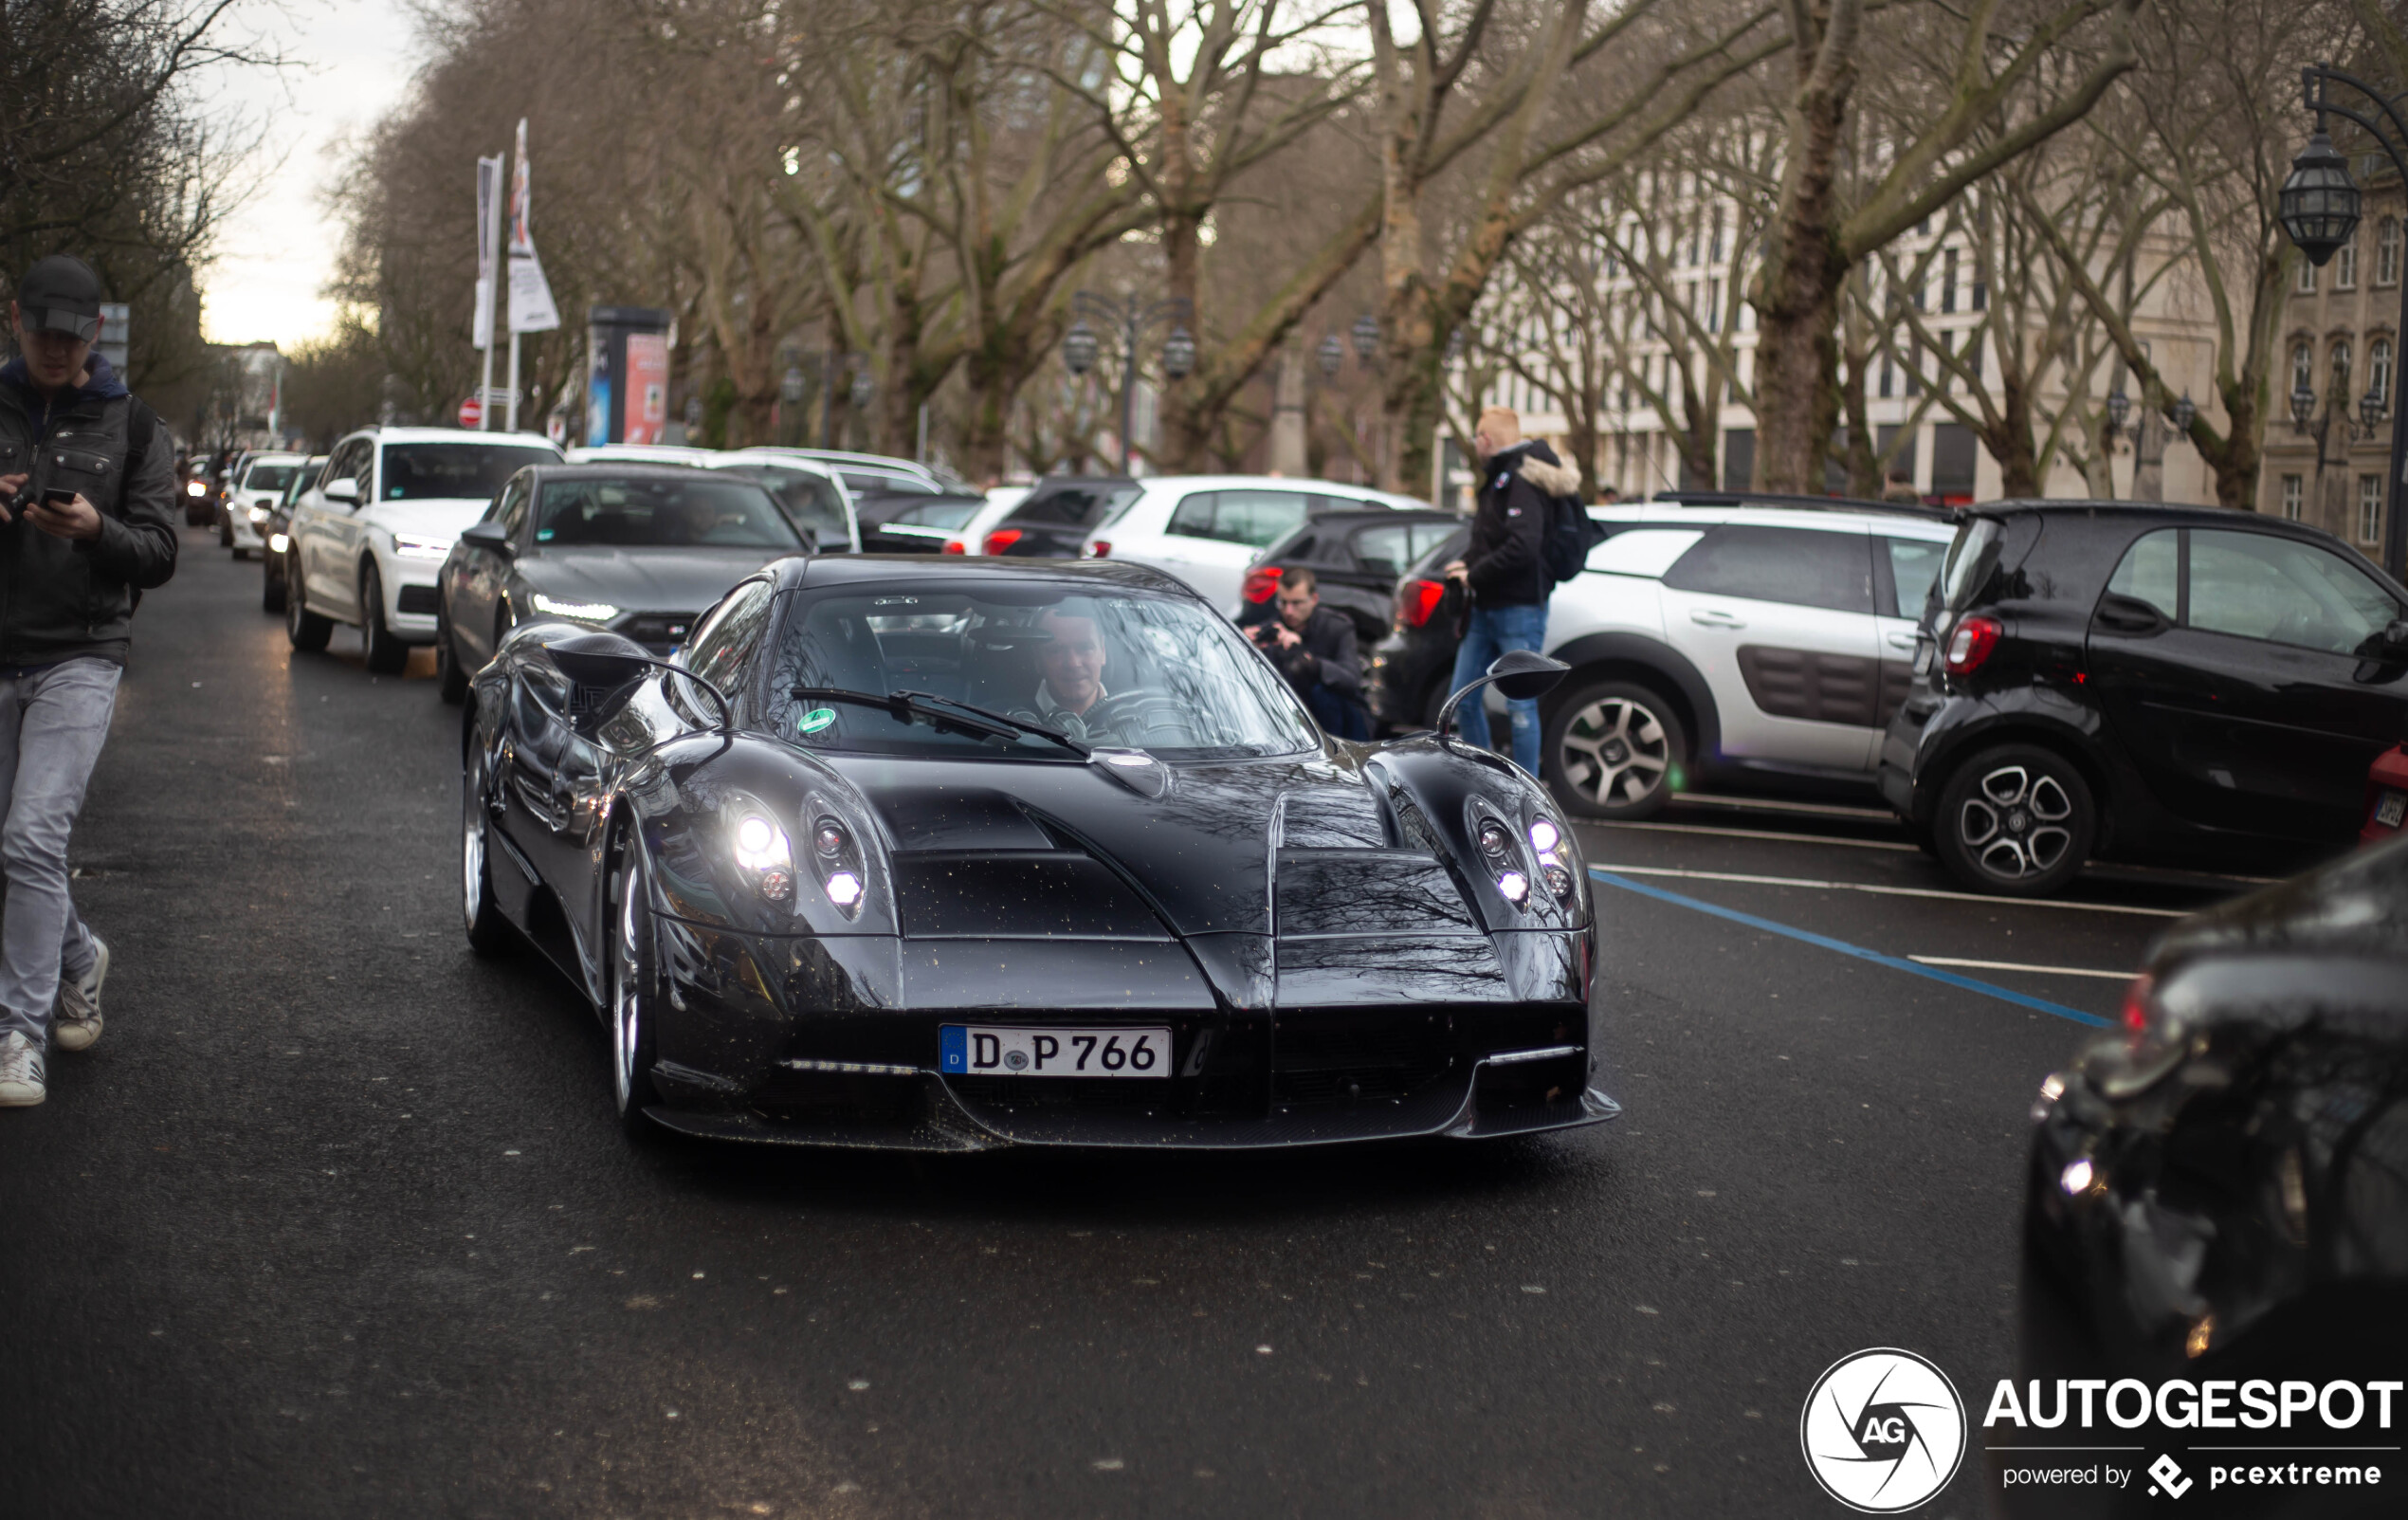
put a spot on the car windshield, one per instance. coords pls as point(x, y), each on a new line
point(660, 514)
point(270, 477)
point(810, 499)
point(412, 472)
point(1105, 666)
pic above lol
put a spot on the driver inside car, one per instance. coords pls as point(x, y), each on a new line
point(1071, 698)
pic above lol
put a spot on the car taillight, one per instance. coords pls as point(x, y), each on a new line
point(1100, 549)
point(1417, 598)
point(1002, 539)
point(1971, 644)
point(1262, 585)
point(2137, 1000)
point(955, 546)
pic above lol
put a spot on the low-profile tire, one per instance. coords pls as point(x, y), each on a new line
point(2014, 820)
point(630, 987)
point(387, 655)
point(451, 680)
point(489, 933)
point(1611, 751)
point(271, 584)
point(308, 631)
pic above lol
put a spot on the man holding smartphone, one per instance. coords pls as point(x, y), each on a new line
point(87, 484)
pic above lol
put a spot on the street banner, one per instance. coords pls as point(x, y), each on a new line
point(488, 234)
point(531, 307)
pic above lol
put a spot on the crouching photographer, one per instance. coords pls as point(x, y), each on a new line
point(1315, 649)
point(87, 481)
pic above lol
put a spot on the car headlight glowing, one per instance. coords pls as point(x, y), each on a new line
point(277, 543)
point(258, 515)
point(761, 848)
point(1515, 886)
point(837, 859)
point(1544, 835)
point(844, 889)
point(409, 546)
point(2077, 1177)
point(195, 488)
point(580, 611)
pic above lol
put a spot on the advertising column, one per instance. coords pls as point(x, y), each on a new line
point(626, 375)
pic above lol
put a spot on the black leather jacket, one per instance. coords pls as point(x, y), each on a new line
point(61, 598)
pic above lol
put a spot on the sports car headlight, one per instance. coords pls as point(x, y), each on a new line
point(580, 611)
point(408, 546)
point(1554, 862)
point(836, 858)
point(762, 850)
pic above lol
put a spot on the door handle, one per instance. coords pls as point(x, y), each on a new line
point(1714, 617)
point(1901, 641)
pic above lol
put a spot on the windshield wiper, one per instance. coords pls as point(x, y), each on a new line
point(902, 705)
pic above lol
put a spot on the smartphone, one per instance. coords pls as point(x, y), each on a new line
point(57, 496)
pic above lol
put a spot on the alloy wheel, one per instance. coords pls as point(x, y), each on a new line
point(472, 843)
point(627, 1002)
point(2016, 823)
point(1614, 752)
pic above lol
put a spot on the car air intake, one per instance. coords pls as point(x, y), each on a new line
point(419, 599)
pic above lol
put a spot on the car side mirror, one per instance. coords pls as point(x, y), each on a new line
point(1519, 674)
point(345, 490)
point(607, 667)
point(490, 536)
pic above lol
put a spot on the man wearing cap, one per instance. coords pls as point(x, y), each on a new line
point(87, 481)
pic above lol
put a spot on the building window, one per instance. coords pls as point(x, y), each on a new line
point(2387, 251)
point(2340, 372)
point(2302, 367)
point(1948, 281)
point(2345, 267)
point(1713, 305)
point(2370, 507)
point(2379, 372)
point(2294, 495)
point(1888, 379)
point(2305, 283)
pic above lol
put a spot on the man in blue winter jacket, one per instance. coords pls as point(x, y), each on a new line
point(1505, 570)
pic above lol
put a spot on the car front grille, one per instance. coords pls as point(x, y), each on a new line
point(1323, 1060)
point(415, 599)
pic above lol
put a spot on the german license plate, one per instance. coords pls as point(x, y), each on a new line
point(2389, 810)
point(989, 1050)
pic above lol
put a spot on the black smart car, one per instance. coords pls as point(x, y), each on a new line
point(2140, 681)
point(1052, 522)
point(2218, 1188)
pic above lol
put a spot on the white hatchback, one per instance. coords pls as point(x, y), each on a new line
point(247, 504)
point(1209, 529)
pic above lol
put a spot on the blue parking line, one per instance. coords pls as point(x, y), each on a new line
point(1893, 963)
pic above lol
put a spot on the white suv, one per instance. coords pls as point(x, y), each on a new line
point(1209, 529)
point(1733, 636)
point(369, 536)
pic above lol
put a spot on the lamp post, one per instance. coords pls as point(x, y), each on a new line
point(1130, 318)
point(2319, 208)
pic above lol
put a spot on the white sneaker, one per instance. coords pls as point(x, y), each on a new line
point(20, 1084)
point(78, 1023)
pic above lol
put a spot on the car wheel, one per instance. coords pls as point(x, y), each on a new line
point(451, 682)
point(307, 630)
point(489, 933)
point(385, 653)
point(271, 584)
point(1613, 750)
point(2016, 820)
point(631, 992)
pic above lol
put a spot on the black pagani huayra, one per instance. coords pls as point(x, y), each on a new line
point(946, 856)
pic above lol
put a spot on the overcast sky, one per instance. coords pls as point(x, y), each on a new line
point(352, 61)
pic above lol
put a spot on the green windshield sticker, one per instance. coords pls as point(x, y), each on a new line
point(815, 720)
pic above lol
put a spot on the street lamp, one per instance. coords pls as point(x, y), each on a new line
point(864, 386)
point(1366, 338)
point(1131, 318)
point(2119, 407)
point(1333, 354)
point(2303, 407)
point(2182, 414)
point(2319, 208)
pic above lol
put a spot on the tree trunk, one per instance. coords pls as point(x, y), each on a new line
point(1797, 296)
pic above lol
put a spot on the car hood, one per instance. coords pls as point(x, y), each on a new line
point(425, 517)
point(659, 581)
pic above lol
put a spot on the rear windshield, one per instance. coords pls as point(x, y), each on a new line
point(1075, 504)
point(662, 514)
point(461, 472)
point(810, 499)
point(270, 477)
point(1973, 544)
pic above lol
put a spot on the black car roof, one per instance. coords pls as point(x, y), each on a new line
point(1808, 503)
point(827, 570)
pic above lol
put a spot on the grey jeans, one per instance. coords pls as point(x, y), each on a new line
point(52, 723)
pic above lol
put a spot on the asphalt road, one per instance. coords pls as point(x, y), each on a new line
point(334, 1219)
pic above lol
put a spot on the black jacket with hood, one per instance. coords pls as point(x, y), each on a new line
point(61, 598)
point(1505, 563)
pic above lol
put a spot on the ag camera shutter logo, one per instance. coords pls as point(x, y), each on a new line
point(1883, 1430)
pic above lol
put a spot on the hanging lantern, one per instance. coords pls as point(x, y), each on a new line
point(2318, 204)
point(1179, 354)
point(2303, 406)
point(1078, 348)
point(1333, 354)
point(864, 388)
point(2182, 414)
point(1366, 336)
point(2119, 407)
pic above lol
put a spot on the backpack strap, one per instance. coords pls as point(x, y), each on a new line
point(141, 429)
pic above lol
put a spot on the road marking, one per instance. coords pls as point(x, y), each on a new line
point(2013, 965)
point(1831, 810)
point(1825, 941)
point(1760, 833)
point(1892, 891)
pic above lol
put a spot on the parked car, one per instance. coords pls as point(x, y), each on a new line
point(2217, 1189)
point(897, 522)
point(1753, 640)
point(276, 533)
point(971, 538)
point(1208, 529)
point(1356, 556)
point(864, 473)
point(368, 539)
point(816, 497)
point(1054, 520)
point(2386, 796)
point(641, 550)
point(264, 482)
point(2145, 682)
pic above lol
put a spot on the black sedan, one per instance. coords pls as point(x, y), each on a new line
point(2219, 1189)
point(945, 854)
point(637, 549)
